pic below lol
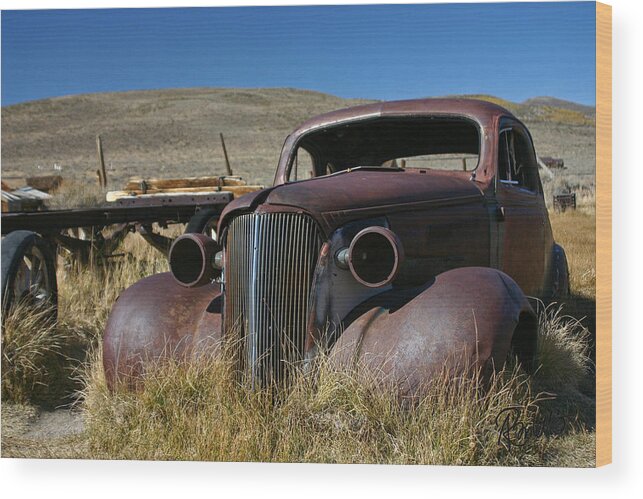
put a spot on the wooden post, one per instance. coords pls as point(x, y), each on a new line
point(102, 175)
point(464, 164)
point(225, 154)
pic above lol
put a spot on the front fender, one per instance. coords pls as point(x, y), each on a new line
point(157, 318)
point(466, 317)
point(335, 292)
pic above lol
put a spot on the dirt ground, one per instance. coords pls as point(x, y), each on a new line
point(30, 432)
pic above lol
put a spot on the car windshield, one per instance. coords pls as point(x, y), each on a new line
point(431, 143)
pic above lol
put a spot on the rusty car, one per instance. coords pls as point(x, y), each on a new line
point(396, 234)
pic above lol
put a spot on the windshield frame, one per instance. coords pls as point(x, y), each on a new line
point(389, 117)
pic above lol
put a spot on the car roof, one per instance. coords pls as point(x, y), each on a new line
point(481, 111)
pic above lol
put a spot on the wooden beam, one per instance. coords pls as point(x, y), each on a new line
point(236, 190)
point(136, 183)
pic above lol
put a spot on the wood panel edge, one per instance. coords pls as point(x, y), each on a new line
point(603, 234)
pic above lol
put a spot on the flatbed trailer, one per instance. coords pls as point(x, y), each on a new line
point(30, 239)
point(167, 209)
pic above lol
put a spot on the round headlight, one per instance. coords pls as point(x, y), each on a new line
point(192, 260)
point(375, 256)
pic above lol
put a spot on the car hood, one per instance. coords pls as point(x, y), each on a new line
point(358, 192)
point(364, 188)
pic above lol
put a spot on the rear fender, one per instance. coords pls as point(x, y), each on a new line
point(467, 317)
point(156, 318)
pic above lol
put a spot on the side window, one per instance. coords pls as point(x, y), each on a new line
point(516, 162)
point(525, 165)
point(505, 154)
point(302, 167)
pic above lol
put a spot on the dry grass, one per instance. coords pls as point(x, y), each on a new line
point(32, 347)
point(201, 411)
point(87, 293)
point(584, 186)
point(576, 232)
point(198, 411)
point(74, 193)
point(563, 350)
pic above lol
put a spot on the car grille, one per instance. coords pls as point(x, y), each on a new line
point(270, 261)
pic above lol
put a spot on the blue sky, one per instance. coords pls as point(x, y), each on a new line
point(514, 51)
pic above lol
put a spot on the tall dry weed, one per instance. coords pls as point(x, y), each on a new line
point(76, 193)
point(563, 350)
point(32, 352)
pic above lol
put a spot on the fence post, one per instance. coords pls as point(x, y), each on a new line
point(225, 154)
point(102, 175)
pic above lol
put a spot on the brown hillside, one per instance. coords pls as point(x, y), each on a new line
point(176, 132)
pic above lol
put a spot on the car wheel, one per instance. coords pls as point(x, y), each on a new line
point(204, 222)
point(28, 272)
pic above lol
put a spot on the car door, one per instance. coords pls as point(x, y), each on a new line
point(521, 209)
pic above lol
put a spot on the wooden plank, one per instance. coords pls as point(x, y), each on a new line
point(134, 183)
point(603, 234)
point(235, 190)
point(227, 188)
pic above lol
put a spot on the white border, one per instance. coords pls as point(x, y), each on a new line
point(98, 479)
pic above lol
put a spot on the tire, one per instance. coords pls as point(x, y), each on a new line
point(204, 222)
point(21, 250)
point(560, 277)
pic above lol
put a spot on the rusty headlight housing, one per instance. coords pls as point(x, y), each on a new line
point(374, 257)
point(193, 260)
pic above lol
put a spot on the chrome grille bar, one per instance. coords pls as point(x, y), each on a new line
point(270, 260)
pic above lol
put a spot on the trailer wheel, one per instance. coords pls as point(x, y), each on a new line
point(28, 272)
point(204, 222)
